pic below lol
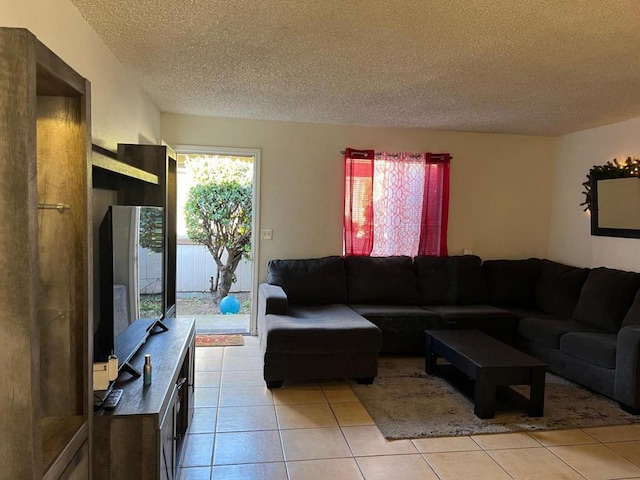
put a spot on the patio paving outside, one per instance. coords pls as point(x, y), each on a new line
point(202, 307)
point(221, 323)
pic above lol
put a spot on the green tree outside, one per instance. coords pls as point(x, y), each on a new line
point(218, 213)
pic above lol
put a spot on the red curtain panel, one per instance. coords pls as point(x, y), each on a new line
point(358, 202)
point(396, 203)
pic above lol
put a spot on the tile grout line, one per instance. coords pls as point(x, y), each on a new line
point(353, 457)
point(622, 454)
point(284, 457)
point(215, 427)
point(567, 464)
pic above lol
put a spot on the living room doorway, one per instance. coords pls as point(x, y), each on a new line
point(216, 238)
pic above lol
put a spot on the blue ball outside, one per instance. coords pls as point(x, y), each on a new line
point(229, 305)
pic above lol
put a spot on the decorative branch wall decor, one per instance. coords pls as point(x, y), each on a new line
point(614, 169)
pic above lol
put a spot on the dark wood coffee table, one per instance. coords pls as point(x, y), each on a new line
point(490, 363)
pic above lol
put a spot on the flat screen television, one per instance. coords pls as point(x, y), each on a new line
point(132, 280)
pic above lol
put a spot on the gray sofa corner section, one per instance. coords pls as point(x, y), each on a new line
point(627, 379)
point(584, 323)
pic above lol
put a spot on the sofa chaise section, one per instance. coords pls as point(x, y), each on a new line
point(312, 342)
point(306, 329)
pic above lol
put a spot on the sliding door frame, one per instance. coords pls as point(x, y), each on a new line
point(255, 214)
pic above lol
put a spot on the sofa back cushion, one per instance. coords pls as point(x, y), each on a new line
point(312, 281)
point(512, 283)
point(633, 314)
point(606, 297)
point(381, 280)
point(455, 280)
point(559, 287)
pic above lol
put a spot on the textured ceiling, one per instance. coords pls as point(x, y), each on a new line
point(513, 66)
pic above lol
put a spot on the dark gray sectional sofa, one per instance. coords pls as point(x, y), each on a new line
point(330, 317)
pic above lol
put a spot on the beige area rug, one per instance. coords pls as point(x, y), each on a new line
point(215, 340)
point(405, 402)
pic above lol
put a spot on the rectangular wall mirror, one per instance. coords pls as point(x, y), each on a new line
point(615, 205)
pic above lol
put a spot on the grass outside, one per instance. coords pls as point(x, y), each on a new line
point(205, 303)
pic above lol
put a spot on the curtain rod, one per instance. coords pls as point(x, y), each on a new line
point(396, 155)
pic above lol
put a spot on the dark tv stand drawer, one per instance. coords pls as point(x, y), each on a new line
point(142, 437)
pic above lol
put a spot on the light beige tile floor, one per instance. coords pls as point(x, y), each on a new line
point(310, 431)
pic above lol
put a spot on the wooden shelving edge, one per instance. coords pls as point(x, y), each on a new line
point(63, 437)
point(100, 159)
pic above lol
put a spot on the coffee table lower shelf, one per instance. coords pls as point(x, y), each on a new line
point(490, 364)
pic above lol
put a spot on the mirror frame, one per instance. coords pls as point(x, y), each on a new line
point(609, 171)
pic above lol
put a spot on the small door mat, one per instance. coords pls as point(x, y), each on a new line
point(215, 340)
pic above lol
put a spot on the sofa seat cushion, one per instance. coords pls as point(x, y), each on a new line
point(381, 280)
point(606, 297)
point(548, 332)
point(399, 318)
point(596, 348)
point(528, 312)
point(455, 280)
point(320, 330)
point(512, 283)
point(365, 309)
point(497, 322)
point(312, 281)
point(559, 287)
point(470, 311)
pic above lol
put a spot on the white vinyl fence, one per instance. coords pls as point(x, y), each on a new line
point(196, 267)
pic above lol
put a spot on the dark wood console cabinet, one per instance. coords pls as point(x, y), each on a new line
point(142, 438)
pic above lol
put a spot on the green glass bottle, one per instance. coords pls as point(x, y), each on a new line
point(147, 370)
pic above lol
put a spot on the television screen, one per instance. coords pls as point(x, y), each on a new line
point(132, 269)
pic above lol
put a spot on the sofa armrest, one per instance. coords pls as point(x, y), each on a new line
point(627, 382)
point(272, 299)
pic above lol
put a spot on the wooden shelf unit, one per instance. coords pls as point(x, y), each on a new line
point(159, 160)
point(45, 347)
point(143, 175)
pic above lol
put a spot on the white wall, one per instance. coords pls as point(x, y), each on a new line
point(570, 239)
point(121, 111)
point(500, 184)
